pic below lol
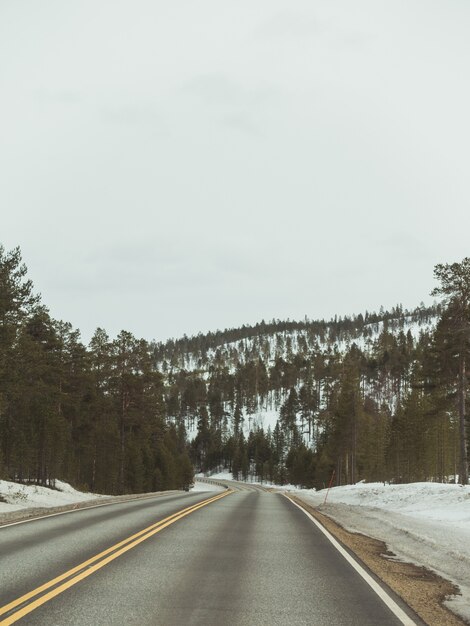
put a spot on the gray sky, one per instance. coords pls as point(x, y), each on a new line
point(175, 167)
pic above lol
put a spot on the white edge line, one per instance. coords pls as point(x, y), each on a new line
point(82, 508)
point(383, 595)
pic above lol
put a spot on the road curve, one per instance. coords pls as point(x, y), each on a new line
point(248, 558)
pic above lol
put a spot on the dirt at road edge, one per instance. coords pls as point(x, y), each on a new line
point(422, 590)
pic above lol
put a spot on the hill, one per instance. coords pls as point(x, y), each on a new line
point(266, 399)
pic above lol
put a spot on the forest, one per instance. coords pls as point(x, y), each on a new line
point(374, 397)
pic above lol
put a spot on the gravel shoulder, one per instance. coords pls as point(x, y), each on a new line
point(424, 591)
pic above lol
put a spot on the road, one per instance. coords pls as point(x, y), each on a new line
point(247, 557)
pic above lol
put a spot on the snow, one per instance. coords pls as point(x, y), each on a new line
point(424, 523)
point(200, 485)
point(219, 476)
point(18, 496)
point(228, 476)
point(263, 418)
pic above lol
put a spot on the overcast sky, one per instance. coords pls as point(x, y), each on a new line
point(176, 167)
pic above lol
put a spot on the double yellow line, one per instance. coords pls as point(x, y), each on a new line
point(76, 574)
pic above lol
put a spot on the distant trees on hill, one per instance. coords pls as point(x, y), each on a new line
point(377, 396)
point(375, 416)
point(203, 347)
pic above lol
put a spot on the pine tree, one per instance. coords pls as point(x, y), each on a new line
point(455, 288)
point(17, 301)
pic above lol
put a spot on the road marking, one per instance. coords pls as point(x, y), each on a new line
point(380, 591)
point(85, 569)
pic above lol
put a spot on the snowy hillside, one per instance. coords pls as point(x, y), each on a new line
point(282, 399)
point(329, 339)
point(284, 340)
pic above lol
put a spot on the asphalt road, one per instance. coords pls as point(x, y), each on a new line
point(250, 557)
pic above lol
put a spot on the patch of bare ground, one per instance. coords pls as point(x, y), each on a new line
point(422, 590)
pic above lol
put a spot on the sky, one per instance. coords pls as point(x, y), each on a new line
point(179, 167)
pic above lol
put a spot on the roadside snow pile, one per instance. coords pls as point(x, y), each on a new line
point(439, 501)
point(16, 496)
point(228, 476)
point(217, 476)
point(423, 523)
point(201, 485)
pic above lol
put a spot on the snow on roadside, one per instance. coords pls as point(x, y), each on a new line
point(217, 476)
point(423, 523)
point(227, 476)
point(200, 485)
point(16, 496)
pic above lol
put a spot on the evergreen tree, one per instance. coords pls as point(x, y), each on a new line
point(455, 288)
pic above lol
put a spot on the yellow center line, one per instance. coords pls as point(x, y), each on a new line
point(77, 574)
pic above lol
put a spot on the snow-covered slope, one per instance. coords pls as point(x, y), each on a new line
point(328, 339)
point(284, 344)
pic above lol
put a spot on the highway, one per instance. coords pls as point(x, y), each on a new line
point(243, 556)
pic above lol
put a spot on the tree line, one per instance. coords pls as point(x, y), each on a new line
point(94, 416)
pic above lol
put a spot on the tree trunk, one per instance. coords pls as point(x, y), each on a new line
point(462, 429)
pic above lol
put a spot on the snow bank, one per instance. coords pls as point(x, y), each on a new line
point(218, 476)
point(15, 496)
point(227, 476)
point(423, 523)
point(203, 486)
